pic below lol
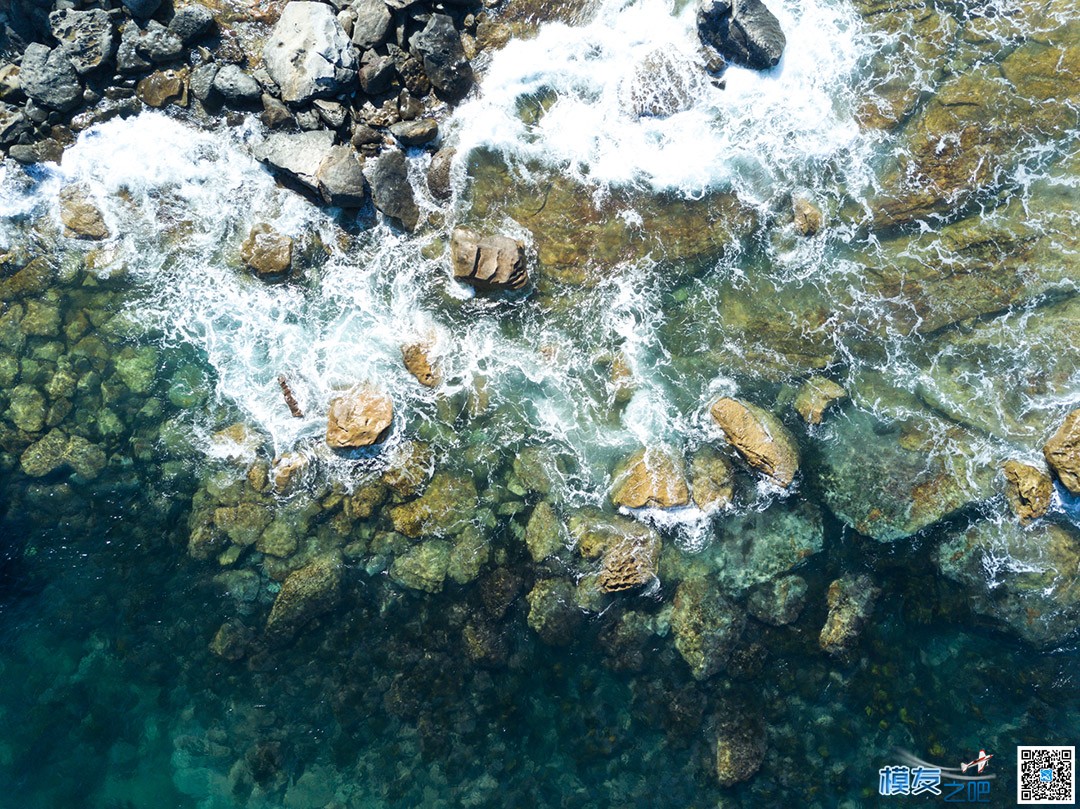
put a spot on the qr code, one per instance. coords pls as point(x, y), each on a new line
point(1046, 775)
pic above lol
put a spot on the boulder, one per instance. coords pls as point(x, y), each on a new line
point(191, 22)
point(712, 480)
point(759, 437)
point(154, 42)
point(423, 567)
point(202, 80)
point(744, 32)
point(1062, 452)
point(553, 615)
point(808, 218)
point(543, 532)
point(308, 53)
point(81, 217)
point(340, 178)
point(438, 174)
point(418, 361)
point(851, 600)
point(652, 477)
point(142, 9)
point(359, 418)
point(391, 192)
point(311, 158)
point(447, 506)
point(630, 563)
point(778, 602)
point(236, 86)
point(1028, 490)
point(49, 78)
point(372, 23)
point(266, 251)
point(757, 546)
point(86, 37)
point(307, 593)
point(439, 45)
point(415, 133)
point(56, 451)
point(163, 87)
point(663, 84)
point(706, 626)
point(13, 123)
point(740, 750)
point(489, 262)
point(815, 396)
point(376, 73)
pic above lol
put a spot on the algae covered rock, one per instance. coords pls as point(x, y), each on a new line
point(651, 477)
point(1028, 490)
point(630, 563)
point(27, 408)
point(80, 215)
point(815, 396)
point(543, 532)
point(712, 480)
point(706, 626)
point(779, 601)
point(307, 593)
point(359, 419)
point(755, 547)
point(1062, 452)
point(851, 601)
point(553, 613)
point(446, 506)
point(740, 750)
point(423, 567)
point(759, 437)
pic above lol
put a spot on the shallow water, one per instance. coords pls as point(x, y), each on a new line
point(136, 584)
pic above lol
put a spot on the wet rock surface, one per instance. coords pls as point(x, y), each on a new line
point(652, 478)
point(706, 627)
point(744, 32)
point(359, 419)
point(851, 601)
point(488, 262)
point(759, 437)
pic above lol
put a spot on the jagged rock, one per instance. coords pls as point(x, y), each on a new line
point(236, 86)
point(415, 133)
point(287, 471)
point(49, 78)
point(307, 593)
point(341, 178)
point(191, 22)
point(439, 45)
point(1028, 490)
point(423, 567)
point(308, 53)
point(543, 532)
point(275, 115)
point(488, 263)
point(815, 396)
point(391, 192)
point(372, 23)
point(446, 507)
point(153, 42)
point(630, 564)
point(438, 174)
point(202, 78)
point(851, 600)
point(142, 9)
point(333, 172)
point(417, 359)
point(740, 750)
point(1062, 452)
point(706, 626)
point(652, 477)
point(744, 32)
point(86, 37)
point(163, 87)
point(553, 614)
point(376, 73)
point(808, 218)
point(662, 85)
point(359, 418)
point(266, 251)
point(81, 217)
point(778, 602)
point(712, 480)
point(759, 437)
point(13, 123)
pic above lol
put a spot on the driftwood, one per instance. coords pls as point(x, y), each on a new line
point(290, 400)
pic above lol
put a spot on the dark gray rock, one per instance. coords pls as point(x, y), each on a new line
point(376, 73)
point(364, 135)
point(275, 115)
point(390, 189)
point(142, 9)
point(202, 78)
point(13, 124)
point(444, 57)
point(43, 151)
point(778, 602)
point(308, 54)
point(333, 113)
point(128, 58)
point(340, 178)
point(236, 86)
point(49, 78)
point(371, 24)
point(87, 37)
point(744, 32)
point(415, 133)
point(438, 174)
point(157, 44)
point(190, 23)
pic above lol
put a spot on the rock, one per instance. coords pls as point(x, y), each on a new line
point(191, 23)
point(740, 750)
point(1062, 452)
point(154, 42)
point(232, 641)
point(712, 480)
point(553, 615)
point(332, 172)
point(778, 602)
point(447, 506)
point(423, 567)
point(308, 53)
point(444, 58)
point(48, 150)
point(663, 84)
point(759, 437)
point(128, 57)
point(760, 545)
point(596, 532)
point(142, 9)
point(266, 251)
point(543, 532)
point(87, 460)
point(537, 468)
point(808, 218)
point(1028, 579)
point(851, 600)
point(652, 477)
point(359, 418)
point(417, 359)
point(287, 471)
point(275, 115)
point(409, 468)
point(244, 523)
point(86, 37)
point(163, 87)
point(1028, 491)
point(815, 396)
point(340, 178)
point(415, 133)
point(49, 78)
point(376, 73)
point(706, 627)
point(307, 593)
point(56, 450)
point(438, 174)
point(391, 192)
point(10, 86)
point(630, 564)
point(468, 556)
point(372, 23)
point(236, 86)
point(202, 80)
point(13, 123)
point(744, 32)
point(81, 217)
point(278, 539)
point(488, 263)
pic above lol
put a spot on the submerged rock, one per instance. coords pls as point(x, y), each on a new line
point(81, 217)
point(553, 613)
point(308, 54)
point(744, 32)
point(740, 750)
point(851, 601)
point(815, 396)
point(778, 602)
point(423, 567)
point(651, 477)
point(1062, 452)
point(808, 218)
point(630, 563)
point(543, 532)
point(488, 262)
point(662, 85)
point(759, 437)
point(755, 547)
point(307, 593)
point(266, 251)
point(1028, 490)
point(712, 480)
point(358, 419)
point(446, 507)
point(706, 626)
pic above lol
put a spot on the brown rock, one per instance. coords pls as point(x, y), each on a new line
point(266, 251)
point(808, 218)
point(164, 87)
point(1062, 452)
point(851, 600)
point(815, 396)
point(359, 418)
point(712, 480)
point(287, 471)
point(630, 564)
point(488, 263)
point(759, 438)
point(417, 357)
point(651, 477)
point(1028, 490)
point(81, 217)
point(306, 593)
